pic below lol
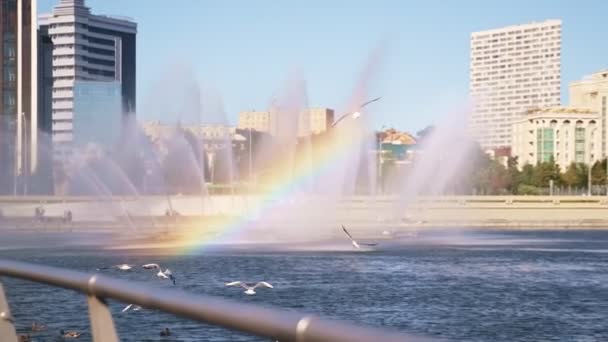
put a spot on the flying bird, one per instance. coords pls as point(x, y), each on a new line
point(163, 275)
point(250, 289)
point(355, 243)
point(150, 266)
point(131, 306)
point(124, 267)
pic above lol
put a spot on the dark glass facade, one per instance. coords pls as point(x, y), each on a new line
point(127, 67)
point(14, 99)
point(8, 93)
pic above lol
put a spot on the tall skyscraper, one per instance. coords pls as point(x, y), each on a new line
point(87, 47)
point(592, 93)
point(512, 69)
point(18, 93)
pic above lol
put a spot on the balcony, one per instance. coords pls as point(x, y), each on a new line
point(68, 115)
point(60, 137)
point(63, 105)
point(63, 94)
point(63, 126)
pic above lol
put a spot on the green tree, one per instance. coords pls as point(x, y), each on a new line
point(546, 172)
point(570, 177)
point(425, 132)
point(514, 175)
point(582, 172)
point(527, 175)
point(598, 172)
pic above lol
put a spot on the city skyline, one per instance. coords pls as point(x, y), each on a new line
point(305, 37)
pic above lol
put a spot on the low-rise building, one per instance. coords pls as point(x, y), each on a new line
point(310, 121)
point(211, 136)
point(566, 134)
point(395, 145)
point(256, 120)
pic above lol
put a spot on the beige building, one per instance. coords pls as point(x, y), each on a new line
point(319, 120)
point(211, 135)
point(592, 93)
point(259, 121)
point(311, 121)
point(567, 134)
point(512, 69)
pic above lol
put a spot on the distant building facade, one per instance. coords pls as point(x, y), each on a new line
point(256, 120)
point(18, 93)
point(566, 134)
point(512, 69)
point(315, 121)
point(97, 113)
point(211, 136)
point(592, 93)
point(87, 47)
point(310, 121)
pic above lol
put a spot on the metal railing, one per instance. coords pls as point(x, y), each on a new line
point(280, 325)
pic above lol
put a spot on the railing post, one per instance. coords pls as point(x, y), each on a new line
point(102, 325)
point(7, 325)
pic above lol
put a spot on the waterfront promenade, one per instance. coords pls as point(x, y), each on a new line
point(358, 211)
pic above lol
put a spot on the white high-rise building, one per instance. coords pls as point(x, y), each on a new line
point(512, 69)
point(87, 47)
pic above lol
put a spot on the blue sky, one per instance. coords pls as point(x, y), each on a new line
point(246, 49)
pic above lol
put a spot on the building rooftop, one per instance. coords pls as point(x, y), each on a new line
point(601, 76)
point(559, 110)
point(399, 138)
point(518, 26)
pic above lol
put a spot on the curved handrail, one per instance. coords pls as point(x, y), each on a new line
point(278, 324)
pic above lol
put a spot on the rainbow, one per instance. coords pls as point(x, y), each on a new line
point(287, 182)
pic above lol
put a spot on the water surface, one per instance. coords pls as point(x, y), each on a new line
point(473, 286)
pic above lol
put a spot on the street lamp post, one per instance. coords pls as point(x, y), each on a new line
point(589, 183)
point(250, 156)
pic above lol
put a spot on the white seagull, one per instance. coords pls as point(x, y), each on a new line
point(249, 289)
point(355, 243)
point(135, 308)
point(163, 275)
point(124, 267)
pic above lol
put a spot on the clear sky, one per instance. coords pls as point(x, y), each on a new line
point(246, 49)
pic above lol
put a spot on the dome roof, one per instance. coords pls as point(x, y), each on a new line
point(392, 136)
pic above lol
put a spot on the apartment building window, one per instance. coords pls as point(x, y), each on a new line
point(544, 146)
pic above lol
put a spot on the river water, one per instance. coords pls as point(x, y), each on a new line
point(470, 286)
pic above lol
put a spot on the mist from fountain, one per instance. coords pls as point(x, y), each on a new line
point(303, 179)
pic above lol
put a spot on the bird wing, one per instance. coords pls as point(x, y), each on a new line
point(339, 119)
point(234, 283)
point(168, 272)
point(263, 283)
point(347, 233)
point(127, 307)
